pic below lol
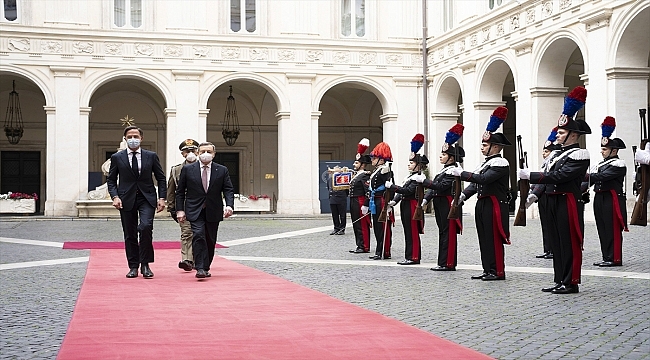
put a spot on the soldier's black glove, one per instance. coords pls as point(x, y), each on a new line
point(586, 197)
point(173, 213)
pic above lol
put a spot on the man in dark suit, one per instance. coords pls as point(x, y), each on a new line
point(202, 188)
point(135, 196)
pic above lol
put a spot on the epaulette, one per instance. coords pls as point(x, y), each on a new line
point(498, 162)
point(618, 163)
point(448, 169)
point(580, 154)
point(385, 169)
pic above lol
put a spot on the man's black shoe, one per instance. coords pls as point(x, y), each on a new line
point(550, 289)
point(375, 257)
point(442, 268)
point(598, 263)
point(566, 289)
point(132, 273)
point(185, 265)
point(479, 277)
point(492, 277)
point(334, 232)
point(359, 251)
point(146, 271)
point(549, 256)
point(200, 273)
point(340, 232)
point(542, 255)
point(408, 262)
point(386, 257)
point(207, 274)
point(609, 264)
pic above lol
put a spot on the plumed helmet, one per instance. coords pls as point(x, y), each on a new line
point(573, 102)
point(497, 118)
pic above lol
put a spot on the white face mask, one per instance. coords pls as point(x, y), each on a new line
point(191, 157)
point(133, 143)
point(205, 158)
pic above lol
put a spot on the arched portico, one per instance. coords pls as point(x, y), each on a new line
point(447, 103)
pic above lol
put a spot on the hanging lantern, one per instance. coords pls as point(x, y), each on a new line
point(14, 118)
point(230, 130)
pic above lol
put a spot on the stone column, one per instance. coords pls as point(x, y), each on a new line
point(628, 92)
point(473, 131)
point(186, 123)
point(172, 158)
point(546, 106)
point(525, 118)
point(409, 122)
point(297, 159)
point(440, 124)
point(67, 144)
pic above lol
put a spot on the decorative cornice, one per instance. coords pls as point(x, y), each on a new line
point(544, 91)
point(409, 81)
point(315, 115)
point(596, 19)
point(84, 111)
point(585, 79)
point(67, 71)
point(388, 117)
point(300, 78)
point(204, 112)
point(488, 105)
point(170, 112)
point(642, 73)
point(523, 47)
point(50, 110)
point(282, 115)
point(467, 66)
point(187, 74)
point(445, 116)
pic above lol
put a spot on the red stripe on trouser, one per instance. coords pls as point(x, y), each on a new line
point(576, 238)
point(619, 226)
point(499, 236)
point(365, 225)
point(416, 227)
point(452, 237)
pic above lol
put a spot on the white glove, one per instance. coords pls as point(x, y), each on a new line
point(388, 184)
point(364, 210)
point(391, 203)
point(419, 178)
point(424, 202)
point(643, 156)
point(461, 199)
point(530, 200)
point(227, 211)
point(524, 174)
point(456, 171)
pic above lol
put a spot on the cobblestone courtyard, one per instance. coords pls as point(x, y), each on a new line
point(512, 319)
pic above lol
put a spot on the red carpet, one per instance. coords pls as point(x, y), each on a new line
point(87, 245)
point(238, 313)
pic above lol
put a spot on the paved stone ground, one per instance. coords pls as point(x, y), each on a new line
point(510, 319)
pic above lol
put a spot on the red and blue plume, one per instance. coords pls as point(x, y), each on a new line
point(574, 101)
point(417, 142)
point(608, 126)
point(553, 136)
point(498, 117)
point(454, 134)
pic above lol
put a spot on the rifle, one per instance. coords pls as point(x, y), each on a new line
point(454, 210)
point(418, 214)
point(524, 186)
point(642, 180)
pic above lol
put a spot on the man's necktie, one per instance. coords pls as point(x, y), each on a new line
point(204, 178)
point(134, 164)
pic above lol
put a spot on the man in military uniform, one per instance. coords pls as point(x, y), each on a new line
point(491, 184)
point(610, 211)
point(441, 193)
point(189, 149)
point(565, 172)
point(381, 157)
point(537, 194)
point(338, 204)
point(358, 188)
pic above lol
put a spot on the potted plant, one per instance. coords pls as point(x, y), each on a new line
point(16, 202)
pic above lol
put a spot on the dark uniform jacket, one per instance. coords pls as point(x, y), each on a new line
point(609, 175)
point(441, 184)
point(406, 191)
point(336, 197)
point(378, 178)
point(565, 171)
point(491, 178)
point(359, 183)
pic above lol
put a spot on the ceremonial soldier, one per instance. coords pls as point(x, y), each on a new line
point(361, 223)
point(189, 149)
point(565, 171)
point(441, 192)
point(491, 184)
point(406, 196)
point(537, 194)
point(610, 211)
point(381, 159)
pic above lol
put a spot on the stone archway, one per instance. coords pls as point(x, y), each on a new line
point(447, 111)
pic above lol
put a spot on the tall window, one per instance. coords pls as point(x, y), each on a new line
point(242, 11)
point(353, 9)
point(9, 10)
point(494, 3)
point(127, 13)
